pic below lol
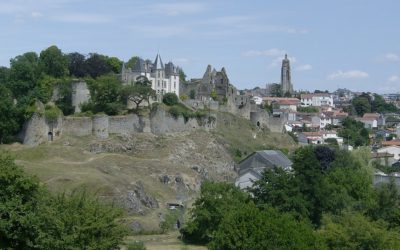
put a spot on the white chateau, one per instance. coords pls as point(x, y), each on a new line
point(163, 78)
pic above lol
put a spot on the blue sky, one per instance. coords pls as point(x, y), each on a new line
point(331, 44)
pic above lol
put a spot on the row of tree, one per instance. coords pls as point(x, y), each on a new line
point(367, 103)
point(326, 202)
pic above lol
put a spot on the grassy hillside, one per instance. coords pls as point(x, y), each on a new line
point(121, 167)
point(241, 138)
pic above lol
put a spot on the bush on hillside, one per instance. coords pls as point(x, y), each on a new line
point(170, 99)
point(32, 218)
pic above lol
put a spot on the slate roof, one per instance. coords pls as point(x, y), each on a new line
point(260, 160)
point(140, 65)
point(158, 64)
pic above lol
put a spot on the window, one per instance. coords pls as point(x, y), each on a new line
point(158, 83)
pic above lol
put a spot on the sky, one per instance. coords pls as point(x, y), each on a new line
point(352, 44)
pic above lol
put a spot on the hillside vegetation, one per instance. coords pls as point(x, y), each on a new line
point(142, 172)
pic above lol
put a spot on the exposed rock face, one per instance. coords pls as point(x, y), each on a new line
point(136, 200)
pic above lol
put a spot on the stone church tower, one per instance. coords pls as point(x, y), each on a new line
point(286, 79)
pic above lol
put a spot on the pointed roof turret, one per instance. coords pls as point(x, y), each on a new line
point(158, 64)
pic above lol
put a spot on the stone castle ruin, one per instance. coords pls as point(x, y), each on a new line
point(227, 99)
point(39, 129)
point(213, 91)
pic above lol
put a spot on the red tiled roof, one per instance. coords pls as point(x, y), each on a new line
point(371, 115)
point(391, 143)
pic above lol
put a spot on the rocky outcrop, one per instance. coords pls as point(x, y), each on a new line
point(137, 201)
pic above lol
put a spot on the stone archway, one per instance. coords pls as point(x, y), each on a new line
point(50, 136)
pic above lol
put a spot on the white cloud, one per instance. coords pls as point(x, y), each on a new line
point(230, 20)
point(82, 18)
point(269, 52)
point(394, 78)
point(36, 14)
point(159, 31)
point(351, 74)
point(304, 67)
point(392, 57)
point(175, 9)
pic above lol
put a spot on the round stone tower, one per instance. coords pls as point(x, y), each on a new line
point(100, 126)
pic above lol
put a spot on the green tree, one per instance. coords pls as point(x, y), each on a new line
point(4, 75)
point(362, 104)
point(31, 218)
point(170, 99)
point(278, 188)
point(215, 200)
point(387, 206)
point(77, 64)
point(53, 62)
point(115, 64)
point(132, 62)
point(19, 197)
point(138, 92)
point(65, 100)
point(246, 227)
point(97, 65)
point(24, 73)
point(79, 221)
point(106, 94)
point(9, 122)
point(355, 231)
point(192, 94)
point(182, 75)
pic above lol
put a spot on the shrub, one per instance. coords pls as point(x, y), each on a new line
point(170, 99)
point(52, 113)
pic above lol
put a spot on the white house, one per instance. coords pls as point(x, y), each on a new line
point(317, 100)
point(163, 78)
point(257, 100)
point(369, 122)
point(321, 120)
point(283, 102)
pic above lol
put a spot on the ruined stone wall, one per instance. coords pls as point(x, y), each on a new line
point(39, 130)
point(36, 130)
point(100, 126)
point(126, 124)
point(276, 124)
point(78, 126)
point(162, 122)
point(80, 95)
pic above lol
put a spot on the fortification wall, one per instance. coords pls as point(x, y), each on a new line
point(78, 126)
point(80, 95)
point(100, 126)
point(125, 124)
point(37, 130)
point(162, 122)
point(276, 124)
